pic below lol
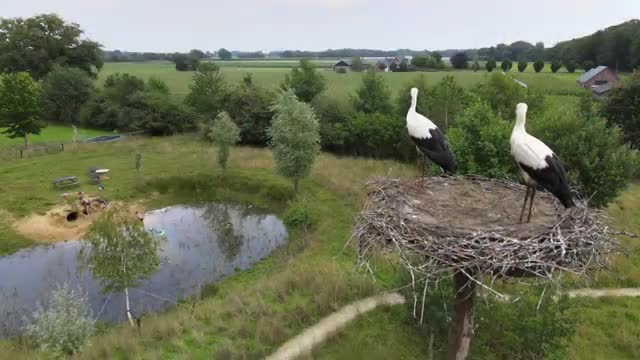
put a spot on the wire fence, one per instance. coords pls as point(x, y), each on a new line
point(14, 152)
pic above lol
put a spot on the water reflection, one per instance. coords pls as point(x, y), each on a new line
point(203, 244)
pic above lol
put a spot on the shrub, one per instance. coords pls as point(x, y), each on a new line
point(66, 325)
point(295, 137)
point(64, 91)
point(306, 82)
point(334, 116)
point(506, 65)
point(249, 107)
point(377, 135)
point(596, 158)
point(480, 142)
point(490, 65)
point(157, 85)
point(622, 108)
point(224, 133)
point(373, 95)
point(475, 66)
point(555, 66)
point(570, 65)
point(538, 65)
point(500, 93)
point(298, 214)
point(341, 71)
point(522, 65)
point(460, 61)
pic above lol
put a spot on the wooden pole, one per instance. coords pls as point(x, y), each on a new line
point(462, 326)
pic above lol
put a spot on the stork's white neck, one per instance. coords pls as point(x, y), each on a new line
point(521, 119)
point(414, 103)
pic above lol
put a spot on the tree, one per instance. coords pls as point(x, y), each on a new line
point(20, 106)
point(357, 64)
point(182, 62)
point(522, 65)
point(538, 65)
point(156, 85)
point(404, 66)
point(198, 54)
point(208, 90)
point(506, 65)
point(294, 137)
point(475, 66)
point(373, 95)
point(119, 252)
point(305, 81)
point(64, 92)
point(225, 54)
point(224, 133)
point(622, 108)
point(460, 61)
point(249, 106)
point(448, 101)
point(38, 43)
point(490, 65)
point(588, 65)
point(436, 56)
point(570, 65)
point(555, 66)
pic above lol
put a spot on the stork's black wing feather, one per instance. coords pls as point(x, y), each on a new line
point(553, 178)
point(437, 150)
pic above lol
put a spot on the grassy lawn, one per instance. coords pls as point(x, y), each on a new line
point(255, 311)
point(50, 134)
point(339, 85)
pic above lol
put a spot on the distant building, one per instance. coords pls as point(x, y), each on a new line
point(600, 80)
point(342, 65)
point(378, 63)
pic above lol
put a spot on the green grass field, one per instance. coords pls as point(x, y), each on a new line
point(255, 311)
point(338, 85)
point(51, 134)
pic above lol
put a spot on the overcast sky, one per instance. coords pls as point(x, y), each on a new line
point(181, 25)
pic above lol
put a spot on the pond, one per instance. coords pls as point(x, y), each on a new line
point(200, 245)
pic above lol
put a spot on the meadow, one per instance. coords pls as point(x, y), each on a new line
point(51, 134)
point(253, 312)
point(338, 85)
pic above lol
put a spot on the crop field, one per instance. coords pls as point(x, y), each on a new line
point(339, 85)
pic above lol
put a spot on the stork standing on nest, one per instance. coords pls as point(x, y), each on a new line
point(429, 140)
point(538, 163)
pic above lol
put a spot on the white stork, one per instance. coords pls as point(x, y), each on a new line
point(429, 140)
point(538, 163)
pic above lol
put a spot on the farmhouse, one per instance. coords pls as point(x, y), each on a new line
point(600, 80)
point(378, 63)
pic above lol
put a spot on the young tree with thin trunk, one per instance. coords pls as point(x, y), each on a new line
point(295, 137)
point(224, 133)
point(120, 252)
point(20, 106)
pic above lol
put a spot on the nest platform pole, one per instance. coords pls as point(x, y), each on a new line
point(462, 327)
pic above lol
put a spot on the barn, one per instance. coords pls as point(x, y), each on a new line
point(600, 80)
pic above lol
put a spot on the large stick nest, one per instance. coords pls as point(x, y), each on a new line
point(471, 224)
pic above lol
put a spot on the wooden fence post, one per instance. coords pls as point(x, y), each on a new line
point(62, 146)
point(21, 156)
point(462, 327)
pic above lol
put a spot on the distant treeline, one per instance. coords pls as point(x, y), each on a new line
point(349, 53)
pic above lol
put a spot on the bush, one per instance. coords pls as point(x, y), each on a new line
point(341, 71)
point(555, 66)
point(64, 91)
point(596, 158)
point(538, 65)
point(571, 66)
point(66, 325)
point(249, 106)
point(224, 133)
point(490, 65)
point(500, 93)
point(475, 66)
point(480, 142)
point(298, 214)
point(522, 65)
point(622, 108)
point(334, 116)
point(373, 95)
point(377, 135)
point(460, 61)
point(128, 104)
point(506, 65)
